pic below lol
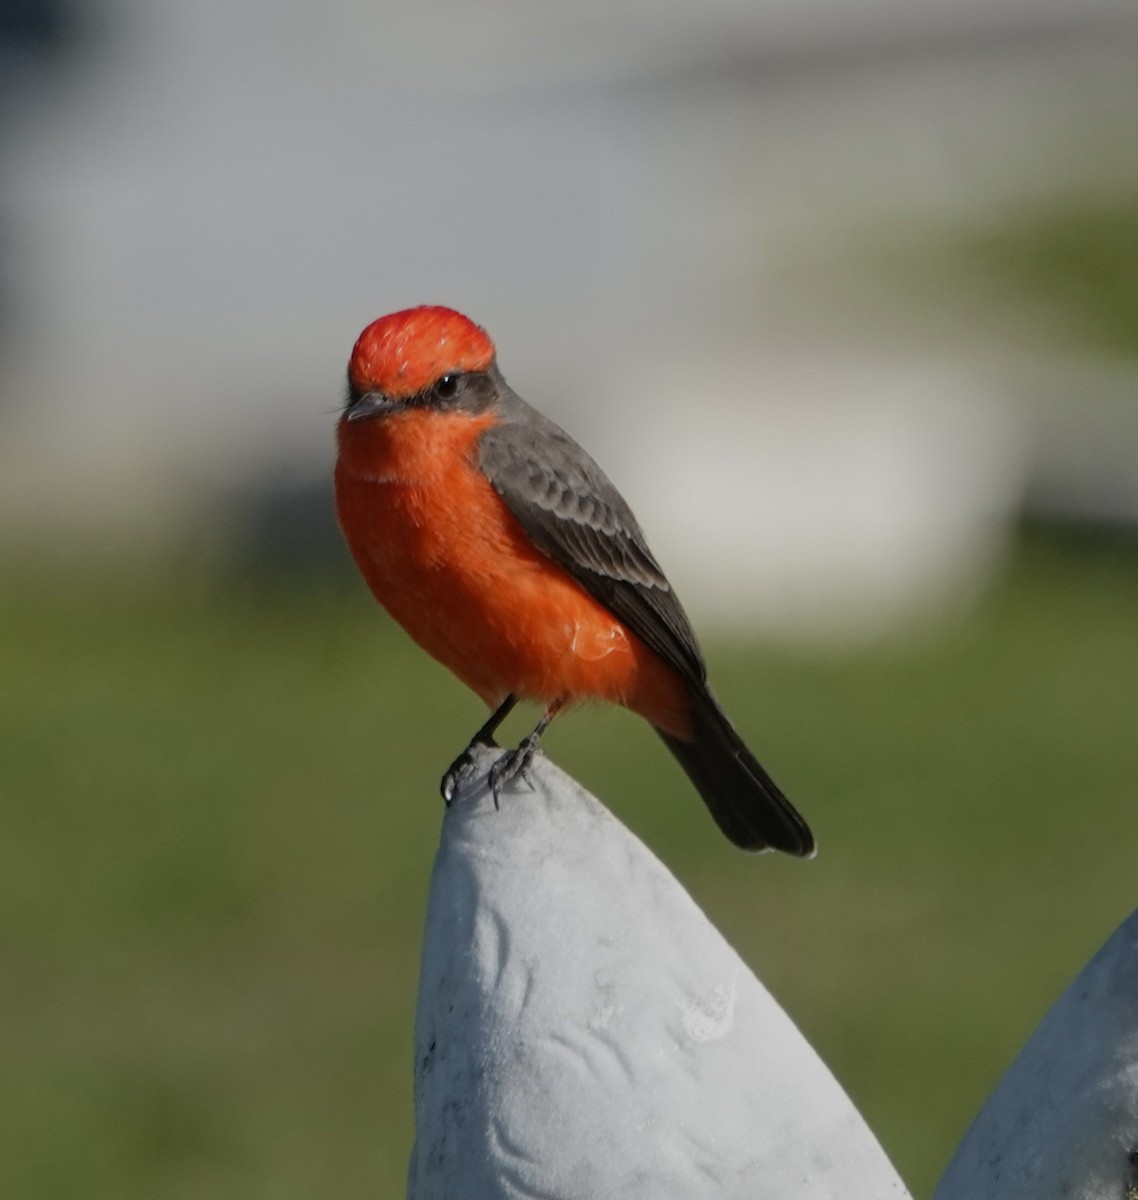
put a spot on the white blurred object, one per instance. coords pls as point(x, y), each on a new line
point(1063, 1122)
point(831, 496)
point(583, 1031)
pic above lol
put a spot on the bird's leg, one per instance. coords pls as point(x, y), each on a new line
point(514, 763)
point(464, 764)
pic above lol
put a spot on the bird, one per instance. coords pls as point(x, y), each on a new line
point(507, 554)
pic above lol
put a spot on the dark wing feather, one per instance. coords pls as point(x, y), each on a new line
point(572, 512)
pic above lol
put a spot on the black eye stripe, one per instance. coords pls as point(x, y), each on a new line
point(466, 390)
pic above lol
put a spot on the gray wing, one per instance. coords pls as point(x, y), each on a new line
point(571, 511)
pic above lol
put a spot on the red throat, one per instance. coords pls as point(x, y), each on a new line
point(405, 352)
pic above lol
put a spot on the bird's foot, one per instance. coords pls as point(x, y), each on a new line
point(464, 766)
point(513, 764)
point(462, 769)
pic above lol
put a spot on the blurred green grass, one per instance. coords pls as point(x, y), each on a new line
point(218, 810)
point(1072, 262)
point(1055, 275)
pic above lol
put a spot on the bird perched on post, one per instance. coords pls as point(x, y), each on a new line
point(506, 553)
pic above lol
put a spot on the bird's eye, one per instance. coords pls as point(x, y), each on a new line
point(447, 387)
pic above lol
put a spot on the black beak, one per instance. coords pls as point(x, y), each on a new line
point(371, 404)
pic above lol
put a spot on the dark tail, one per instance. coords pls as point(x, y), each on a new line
point(744, 800)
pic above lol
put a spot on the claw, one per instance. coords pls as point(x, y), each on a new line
point(456, 775)
point(463, 766)
point(513, 765)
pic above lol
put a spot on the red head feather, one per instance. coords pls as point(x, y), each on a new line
point(405, 352)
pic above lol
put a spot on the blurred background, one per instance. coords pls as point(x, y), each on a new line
point(845, 297)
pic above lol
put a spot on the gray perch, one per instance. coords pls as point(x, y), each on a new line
point(1063, 1122)
point(583, 1031)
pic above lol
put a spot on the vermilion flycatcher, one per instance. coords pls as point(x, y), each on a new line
point(504, 551)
